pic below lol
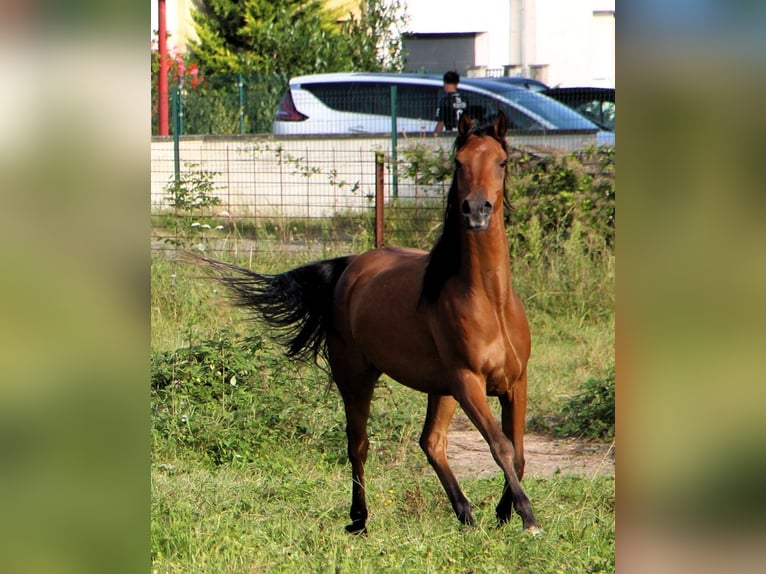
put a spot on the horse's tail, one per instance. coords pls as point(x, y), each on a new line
point(297, 303)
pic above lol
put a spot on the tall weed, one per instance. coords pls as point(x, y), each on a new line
point(561, 232)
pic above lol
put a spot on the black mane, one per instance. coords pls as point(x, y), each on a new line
point(445, 257)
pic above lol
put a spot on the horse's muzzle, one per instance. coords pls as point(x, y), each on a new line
point(476, 213)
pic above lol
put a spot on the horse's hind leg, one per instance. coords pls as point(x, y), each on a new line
point(356, 384)
point(514, 406)
point(357, 405)
point(433, 441)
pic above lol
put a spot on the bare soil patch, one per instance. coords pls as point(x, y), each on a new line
point(545, 456)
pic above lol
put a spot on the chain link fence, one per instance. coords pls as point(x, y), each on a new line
point(239, 188)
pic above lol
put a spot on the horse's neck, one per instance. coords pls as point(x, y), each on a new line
point(486, 266)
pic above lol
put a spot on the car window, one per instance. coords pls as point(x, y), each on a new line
point(374, 98)
point(484, 108)
point(607, 113)
point(559, 115)
point(417, 102)
point(602, 112)
point(359, 97)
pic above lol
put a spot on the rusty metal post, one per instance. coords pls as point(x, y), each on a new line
point(379, 199)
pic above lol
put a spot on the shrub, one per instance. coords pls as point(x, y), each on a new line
point(561, 189)
point(588, 414)
point(190, 198)
point(226, 398)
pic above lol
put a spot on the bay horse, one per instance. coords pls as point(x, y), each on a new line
point(446, 323)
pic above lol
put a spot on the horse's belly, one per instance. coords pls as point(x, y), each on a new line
point(405, 352)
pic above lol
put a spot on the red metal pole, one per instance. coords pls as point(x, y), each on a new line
point(162, 82)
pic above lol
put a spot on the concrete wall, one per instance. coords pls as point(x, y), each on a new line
point(303, 177)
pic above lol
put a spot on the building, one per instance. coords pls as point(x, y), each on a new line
point(561, 42)
point(179, 23)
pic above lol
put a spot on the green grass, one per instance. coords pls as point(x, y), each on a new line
point(286, 511)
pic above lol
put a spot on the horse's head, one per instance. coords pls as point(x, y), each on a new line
point(481, 157)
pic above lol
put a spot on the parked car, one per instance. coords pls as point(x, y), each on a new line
point(596, 104)
point(360, 103)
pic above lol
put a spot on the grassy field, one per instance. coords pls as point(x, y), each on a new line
point(249, 472)
point(285, 512)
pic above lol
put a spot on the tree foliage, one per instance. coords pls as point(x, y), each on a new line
point(374, 38)
point(294, 37)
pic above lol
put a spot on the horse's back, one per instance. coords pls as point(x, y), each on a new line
point(385, 282)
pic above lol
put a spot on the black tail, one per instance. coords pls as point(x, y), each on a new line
point(297, 303)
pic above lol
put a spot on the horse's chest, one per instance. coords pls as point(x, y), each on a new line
point(501, 368)
point(482, 339)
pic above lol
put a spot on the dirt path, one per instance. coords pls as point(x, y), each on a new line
point(469, 454)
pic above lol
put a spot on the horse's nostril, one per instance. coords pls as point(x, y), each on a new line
point(487, 206)
point(466, 207)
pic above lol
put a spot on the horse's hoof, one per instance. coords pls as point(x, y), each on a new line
point(357, 528)
point(465, 516)
point(534, 530)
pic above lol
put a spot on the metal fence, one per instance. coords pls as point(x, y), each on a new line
point(308, 195)
point(224, 104)
point(312, 195)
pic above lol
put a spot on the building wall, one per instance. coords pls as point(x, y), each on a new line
point(576, 39)
point(179, 23)
point(570, 41)
point(479, 16)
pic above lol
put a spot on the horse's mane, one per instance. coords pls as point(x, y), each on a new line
point(445, 257)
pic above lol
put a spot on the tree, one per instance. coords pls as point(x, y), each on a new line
point(294, 37)
point(374, 38)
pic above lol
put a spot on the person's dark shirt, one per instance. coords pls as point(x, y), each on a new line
point(451, 107)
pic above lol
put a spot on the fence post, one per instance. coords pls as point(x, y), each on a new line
point(394, 134)
point(241, 86)
point(379, 199)
point(180, 92)
point(176, 130)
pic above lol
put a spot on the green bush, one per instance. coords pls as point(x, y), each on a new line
point(190, 198)
point(561, 189)
point(226, 398)
point(588, 414)
point(548, 193)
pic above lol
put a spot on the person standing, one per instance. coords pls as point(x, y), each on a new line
point(451, 105)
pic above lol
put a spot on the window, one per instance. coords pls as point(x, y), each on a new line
point(414, 101)
point(417, 102)
point(485, 108)
point(359, 97)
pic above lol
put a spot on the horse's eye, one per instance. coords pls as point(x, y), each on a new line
point(504, 163)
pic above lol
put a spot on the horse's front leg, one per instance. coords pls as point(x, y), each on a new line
point(469, 391)
point(513, 408)
point(433, 441)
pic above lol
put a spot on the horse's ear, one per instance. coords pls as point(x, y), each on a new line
point(464, 125)
point(501, 125)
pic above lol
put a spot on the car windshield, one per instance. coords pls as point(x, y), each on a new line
point(562, 117)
